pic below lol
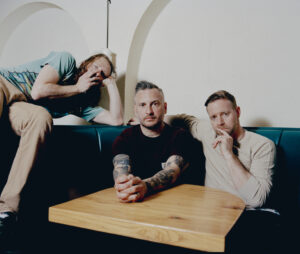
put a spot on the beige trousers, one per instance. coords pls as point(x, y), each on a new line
point(32, 123)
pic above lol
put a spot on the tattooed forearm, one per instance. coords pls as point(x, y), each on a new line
point(160, 180)
point(176, 160)
point(121, 165)
point(174, 167)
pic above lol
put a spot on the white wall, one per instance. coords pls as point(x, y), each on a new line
point(250, 48)
point(188, 47)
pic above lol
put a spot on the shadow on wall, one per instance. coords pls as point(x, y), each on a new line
point(9, 24)
point(104, 102)
point(136, 49)
point(262, 122)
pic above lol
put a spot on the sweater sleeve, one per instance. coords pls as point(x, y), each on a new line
point(256, 189)
point(190, 123)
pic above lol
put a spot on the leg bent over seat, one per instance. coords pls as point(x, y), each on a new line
point(32, 123)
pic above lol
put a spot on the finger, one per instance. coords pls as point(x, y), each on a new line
point(222, 132)
point(130, 189)
point(123, 179)
point(108, 81)
point(95, 78)
point(130, 176)
point(122, 196)
point(217, 141)
point(88, 74)
point(92, 73)
point(125, 200)
point(129, 121)
point(133, 121)
point(92, 84)
point(134, 197)
point(123, 186)
point(134, 188)
point(113, 75)
point(136, 180)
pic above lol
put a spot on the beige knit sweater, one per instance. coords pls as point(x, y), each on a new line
point(255, 152)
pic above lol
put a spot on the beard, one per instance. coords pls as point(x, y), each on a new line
point(152, 127)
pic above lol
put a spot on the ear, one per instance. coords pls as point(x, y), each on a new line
point(135, 110)
point(166, 107)
point(238, 111)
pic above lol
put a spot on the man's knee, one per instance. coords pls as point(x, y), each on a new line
point(42, 119)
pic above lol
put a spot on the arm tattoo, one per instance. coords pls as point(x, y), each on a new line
point(121, 165)
point(160, 180)
point(174, 167)
point(178, 161)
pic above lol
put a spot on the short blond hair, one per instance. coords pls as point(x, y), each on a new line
point(221, 94)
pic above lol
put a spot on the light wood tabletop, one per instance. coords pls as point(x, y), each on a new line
point(189, 216)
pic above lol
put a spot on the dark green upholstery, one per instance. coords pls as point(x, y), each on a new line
point(87, 149)
point(290, 170)
point(286, 189)
point(272, 133)
point(81, 155)
point(79, 158)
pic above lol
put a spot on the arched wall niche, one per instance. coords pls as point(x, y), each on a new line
point(26, 14)
point(247, 48)
point(150, 15)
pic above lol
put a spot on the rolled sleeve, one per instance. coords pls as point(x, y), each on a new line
point(63, 62)
point(89, 113)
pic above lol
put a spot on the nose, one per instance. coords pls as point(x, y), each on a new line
point(220, 121)
point(149, 110)
point(97, 68)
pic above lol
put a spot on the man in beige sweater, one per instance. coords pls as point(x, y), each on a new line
point(240, 162)
point(237, 161)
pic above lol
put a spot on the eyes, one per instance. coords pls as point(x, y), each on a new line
point(103, 75)
point(223, 115)
point(153, 104)
point(96, 67)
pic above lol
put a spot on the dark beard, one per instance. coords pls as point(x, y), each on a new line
point(157, 126)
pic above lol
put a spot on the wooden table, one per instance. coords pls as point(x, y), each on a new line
point(189, 216)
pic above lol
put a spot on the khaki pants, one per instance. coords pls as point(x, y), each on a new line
point(32, 123)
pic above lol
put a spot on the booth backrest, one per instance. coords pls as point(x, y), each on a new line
point(80, 156)
point(85, 152)
point(285, 195)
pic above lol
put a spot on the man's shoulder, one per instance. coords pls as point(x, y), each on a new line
point(126, 137)
point(175, 130)
point(258, 137)
point(257, 140)
point(63, 59)
point(178, 134)
point(199, 128)
point(130, 131)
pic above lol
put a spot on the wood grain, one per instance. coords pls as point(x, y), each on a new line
point(189, 216)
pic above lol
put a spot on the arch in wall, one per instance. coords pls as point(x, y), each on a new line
point(17, 16)
point(140, 35)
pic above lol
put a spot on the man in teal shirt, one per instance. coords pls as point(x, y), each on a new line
point(50, 87)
